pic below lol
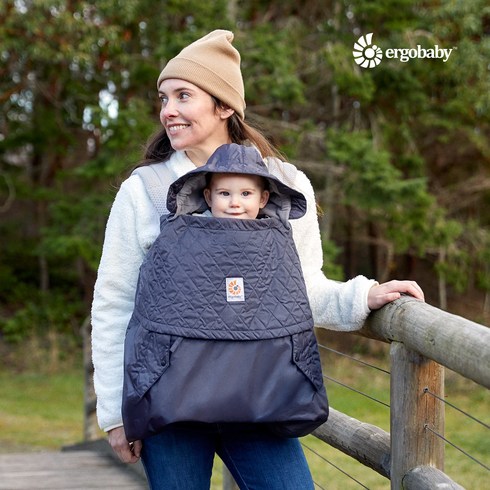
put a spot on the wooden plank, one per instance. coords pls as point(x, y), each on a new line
point(367, 443)
point(424, 477)
point(413, 412)
point(77, 470)
point(450, 340)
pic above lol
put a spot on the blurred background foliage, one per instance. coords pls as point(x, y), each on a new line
point(399, 155)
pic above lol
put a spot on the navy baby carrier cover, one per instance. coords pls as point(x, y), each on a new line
point(222, 330)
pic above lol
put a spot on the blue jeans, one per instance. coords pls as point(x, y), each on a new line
point(181, 458)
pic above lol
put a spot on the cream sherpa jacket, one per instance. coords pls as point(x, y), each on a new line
point(132, 227)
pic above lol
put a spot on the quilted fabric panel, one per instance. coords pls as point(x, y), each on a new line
point(146, 357)
point(183, 288)
point(307, 357)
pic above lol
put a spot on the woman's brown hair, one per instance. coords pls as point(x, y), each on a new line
point(159, 149)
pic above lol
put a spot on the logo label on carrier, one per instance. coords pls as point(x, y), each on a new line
point(235, 290)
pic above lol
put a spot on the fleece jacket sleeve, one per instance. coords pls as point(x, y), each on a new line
point(335, 305)
point(131, 223)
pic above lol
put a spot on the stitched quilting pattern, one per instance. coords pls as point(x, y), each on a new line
point(149, 356)
point(307, 358)
point(182, 288)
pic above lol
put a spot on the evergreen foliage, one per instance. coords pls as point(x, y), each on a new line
point(399, 154)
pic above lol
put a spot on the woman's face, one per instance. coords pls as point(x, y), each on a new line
point(191, 119)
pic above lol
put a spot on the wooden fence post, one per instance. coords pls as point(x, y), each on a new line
point(416, 415)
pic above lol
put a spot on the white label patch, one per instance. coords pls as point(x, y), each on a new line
point(234, 289)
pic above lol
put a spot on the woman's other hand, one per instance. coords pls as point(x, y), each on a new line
point(387, 292)
point(128, 452)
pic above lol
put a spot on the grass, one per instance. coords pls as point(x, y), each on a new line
point(40, 411)
point(45, 411)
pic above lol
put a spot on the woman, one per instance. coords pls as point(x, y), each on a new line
point(202, 96)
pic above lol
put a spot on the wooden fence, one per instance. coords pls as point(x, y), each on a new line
point(423, 339)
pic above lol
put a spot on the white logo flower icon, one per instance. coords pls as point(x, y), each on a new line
point(365, 54)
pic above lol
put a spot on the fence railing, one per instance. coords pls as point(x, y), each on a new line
point(423, 340)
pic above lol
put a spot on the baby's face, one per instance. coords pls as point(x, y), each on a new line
point(236, 196)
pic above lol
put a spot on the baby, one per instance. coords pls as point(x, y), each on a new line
point(231, 195)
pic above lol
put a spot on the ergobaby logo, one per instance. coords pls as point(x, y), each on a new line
point(368, 55)
point(365, 53)
point(234, 289)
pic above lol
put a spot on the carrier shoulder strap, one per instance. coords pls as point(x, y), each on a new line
point(156, 179)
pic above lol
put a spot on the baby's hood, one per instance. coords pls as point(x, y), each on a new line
point(185, 195)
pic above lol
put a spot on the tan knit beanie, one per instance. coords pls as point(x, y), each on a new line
point(212, 64)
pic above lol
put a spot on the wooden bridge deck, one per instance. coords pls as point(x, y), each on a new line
point(67, 470)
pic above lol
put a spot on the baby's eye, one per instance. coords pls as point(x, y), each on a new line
point(224, 193)
point(246, 193)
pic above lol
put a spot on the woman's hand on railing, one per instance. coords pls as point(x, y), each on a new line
point(381, 294)
point(128, 452)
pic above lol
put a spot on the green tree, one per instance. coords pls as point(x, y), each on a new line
point(399, 154)
point(78, 102)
